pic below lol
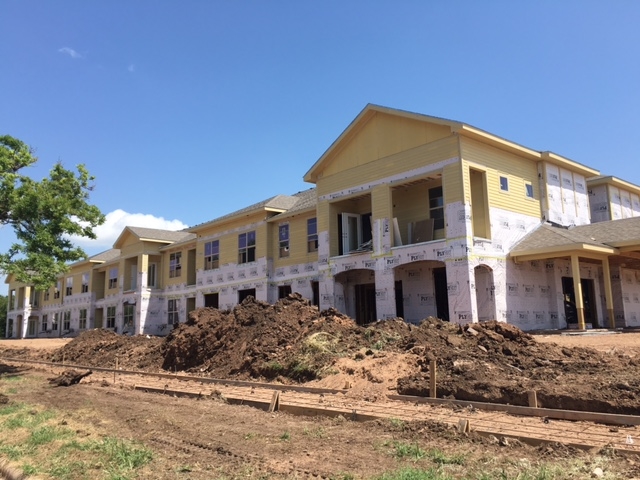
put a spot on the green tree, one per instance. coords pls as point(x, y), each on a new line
point(43, 215)
point(3, 315)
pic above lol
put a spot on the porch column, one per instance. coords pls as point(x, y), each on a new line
point(385, 290)
point(382, 221)
point(608, 292)
point(461, 290)
point(577, 289)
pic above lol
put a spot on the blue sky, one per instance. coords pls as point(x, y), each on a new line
point(185, 111)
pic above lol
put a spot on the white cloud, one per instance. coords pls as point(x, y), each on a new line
point(116, 221)
point(70, 51)
point(131, 68)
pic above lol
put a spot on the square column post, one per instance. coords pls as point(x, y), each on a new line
point(577, 289)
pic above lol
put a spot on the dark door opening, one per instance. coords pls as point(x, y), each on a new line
point(399, 299)
point(283, 291)
point(588, 300)
point(249, 292)
point(365, 303)
point(315, 289)
point(442, 297)
point(211, 300)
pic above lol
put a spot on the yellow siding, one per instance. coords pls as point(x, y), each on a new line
point(228, 238)
point(452, 183)
point(497, 163)
point(398, 163)
point(381, 202)
point(298, 253)
point(382, 135)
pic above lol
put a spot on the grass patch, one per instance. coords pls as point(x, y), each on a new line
point(314, 432)
point(285, 437)
point(45, 448)
point(441, 458)
point(406, 450)
point(414, 474)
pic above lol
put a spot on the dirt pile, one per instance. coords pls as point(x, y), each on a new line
point(292, 341)
point(100, 348)
point(289, 340)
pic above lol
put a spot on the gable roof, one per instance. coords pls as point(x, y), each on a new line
point(306, 200)
point(151, 235)
point(456, 127)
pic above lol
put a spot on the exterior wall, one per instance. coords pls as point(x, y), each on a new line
point(599, 203)
point(630, 294)
point(497, 163)
point(564, 193)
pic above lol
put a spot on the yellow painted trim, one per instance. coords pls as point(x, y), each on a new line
point(572, 165)
point(611, 180)
point(582, 249)
point(486, 137)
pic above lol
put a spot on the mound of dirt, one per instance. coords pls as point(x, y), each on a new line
point(292, 341)
point(99, 348)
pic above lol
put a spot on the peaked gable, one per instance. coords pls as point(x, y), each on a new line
point(378, 132)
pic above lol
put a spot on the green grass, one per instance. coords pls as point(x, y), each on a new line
point(441, 458)
point(409, 473)
point(406, 450)
point(42, 447)
point(285, 437)
point(315, 432)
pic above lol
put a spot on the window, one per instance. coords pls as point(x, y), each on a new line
point(56, 292)
point(312, 235)
point(35, 298)
point(283, 239)
point(151, 275)
point(175, 265)
point(10, 329)
point(436, 207)
point(69, 289)
point(66, 321)
point(504, 184)
point(12, 299)
point(46, 294)
point(174, 305)
point(247, 247)
point(45, 323)
point(211, 255)
point(111, 317)
point(85, 282)
point(54, 321)
point(82, 321)
point(528, 188)
point(128, 315)
point(113, 278)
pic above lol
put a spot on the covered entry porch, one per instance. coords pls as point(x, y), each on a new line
point(611, 248)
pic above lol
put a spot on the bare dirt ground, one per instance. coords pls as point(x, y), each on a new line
point(293, 343)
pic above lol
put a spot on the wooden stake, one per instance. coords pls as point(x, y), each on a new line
point(464, 426)
point(275, 402)
point(114, 373)
point(533, 399)
point(432, 379)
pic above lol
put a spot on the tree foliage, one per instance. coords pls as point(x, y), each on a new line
point(3, 314)
point(44, 215)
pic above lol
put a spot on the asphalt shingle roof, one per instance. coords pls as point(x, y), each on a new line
point(601, 234)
